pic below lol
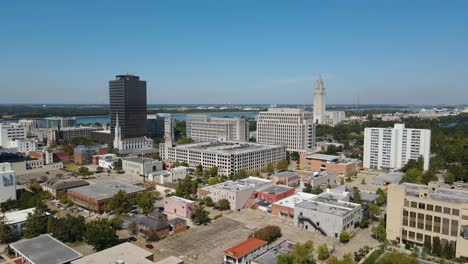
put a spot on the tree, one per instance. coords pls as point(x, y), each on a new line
point(198, 171)
point(303, 253)
point(70, 229)
point(294, 155)
point(36, 223)
point(199, 215)
point(145, 201)
point(268, 233)
point(269, 168)
point(413, 175)
point(308, 188)
point(357, 196)
point(285, 259)
point(363, 181)
point(427, 246)
point(35, 187)
point(223, 204)
point(241, 174)
point(344, 237)
point(99, 169)
point(381, 198)
point(182, 141)
point(6, 235)
point(323, 252)
point(374, 210)
point(436, 247)
point(347, 259)
point(379, 230)
point(186, 188)
point(133, 228)
point(118, 165)
point(208, 201)
point(215, 180)
point(211, 172)
point(51, 224)
point(116, 223)
point(119, 203)
point(397, 257)
point(449, 178)
point(364, 223)
point(317, 190)
point(282, 165)
point(100, 234)
point(83, 171)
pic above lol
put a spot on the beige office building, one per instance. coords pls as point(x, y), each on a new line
point(417, 213)
point(202, 128)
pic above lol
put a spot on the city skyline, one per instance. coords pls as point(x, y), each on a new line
point(243, 52)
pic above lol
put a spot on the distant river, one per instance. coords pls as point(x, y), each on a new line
point(179, 117)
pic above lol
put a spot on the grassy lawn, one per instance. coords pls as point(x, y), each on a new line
point(72, 167)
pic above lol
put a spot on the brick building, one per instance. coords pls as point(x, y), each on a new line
point(285, 207)
point(83, 155)
point(148, 224)
point(178, 225)
point(274, 193)
point(331, 163)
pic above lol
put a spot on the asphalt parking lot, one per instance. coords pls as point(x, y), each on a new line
point(205, 244)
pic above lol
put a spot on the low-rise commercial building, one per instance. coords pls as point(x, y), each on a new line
point(170, 175)
point(420, 214)
point(44, 249)
point(318, 179)
point(178, 225)
point(245, 252)
point(178, 206)
point(25, 145)
point(385, 179)
point(329, 213)
point(140, 166)
point(148, 224)
point(237, 193)
point(16, 220)
point(285, 207)
point(83, 155)
point(230, 157)
point(8, 182)
point(125, 253)
point(286, 178)
point(271, 256)
point(273, 193)
point(105, 161)
point(57, 187)
point(94, 197)
point(330, 163)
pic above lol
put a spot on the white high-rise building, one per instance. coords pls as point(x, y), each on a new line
point(202, 128)
point(321, 116)
point(291, 127)
point(391, 148)
point(7, 183)
point(9, 132)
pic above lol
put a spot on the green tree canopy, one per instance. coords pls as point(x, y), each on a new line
point(303, 253)
point(397, 257)
point(120, 203)
point(323, 252)
point(268, 233)
point(70, 229)
point(36, 223)
point(145, 201)
point(199, 215)
point(100, 234)
point(223, 204)
point(344, 237)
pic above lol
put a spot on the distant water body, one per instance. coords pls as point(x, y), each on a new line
point(178, 117)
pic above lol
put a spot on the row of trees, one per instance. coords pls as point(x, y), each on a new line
point(121, 203)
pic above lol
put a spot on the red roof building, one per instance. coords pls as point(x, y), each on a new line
point(245, 251)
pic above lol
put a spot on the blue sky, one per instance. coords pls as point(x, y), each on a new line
point(407, 52)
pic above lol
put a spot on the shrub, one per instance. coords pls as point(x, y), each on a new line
point(223, 204)
point(269, 233)
point(344, 237)
point(208, 201)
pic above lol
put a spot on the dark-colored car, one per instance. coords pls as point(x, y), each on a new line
point(149, 246)
point(132, 239)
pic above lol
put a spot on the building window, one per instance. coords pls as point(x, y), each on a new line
point(422, 206)
point(430, 207)
point(414, 204)
point(421, 221)
point(446, 210)
point(455, 212)
point(438, 208)
point(412, 221)
point(429, 222)
point(454, 228)
point(445, 226)
point(437, 224)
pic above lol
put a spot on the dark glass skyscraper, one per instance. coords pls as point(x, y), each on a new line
point(127, 97)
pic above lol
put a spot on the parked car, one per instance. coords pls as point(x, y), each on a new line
point(133, 239)
point(149, 246)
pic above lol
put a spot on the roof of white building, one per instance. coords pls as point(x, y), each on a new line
point(297, 198)
point(227, 147)
point(180, 199)
point(17, 216)
point(123, 253)
point(239, 185)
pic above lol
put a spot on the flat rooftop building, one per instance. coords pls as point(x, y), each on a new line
point(44, 249)
point(417, 214)
point(236, 192)
point(330, 163)
point(127, 253)
point(229, 156)
point(285, 207)
point(385, 179)
point(274, 193)
point(271, 256)
point(245, 251)
point(95, 196)
point(329, 213)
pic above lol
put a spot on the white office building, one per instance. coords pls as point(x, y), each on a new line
point(202, 128)
point(392, 148)
point(169, 175)
point(328, 213)
point(9, 132)
point(30, 124)
point(321, 116)
point(237, 193)
point(25, 145)
point(140, 166)
point(291, 127)
point(8, 183)
point(229, 156)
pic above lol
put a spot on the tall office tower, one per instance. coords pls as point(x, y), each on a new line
point(319, 102)
point(291, 127)
point(9, 132)
point(127, 97)
point(392, 148)
point(169, 136)
point(202, 128)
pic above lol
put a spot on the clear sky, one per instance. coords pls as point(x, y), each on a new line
point(405, 52)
